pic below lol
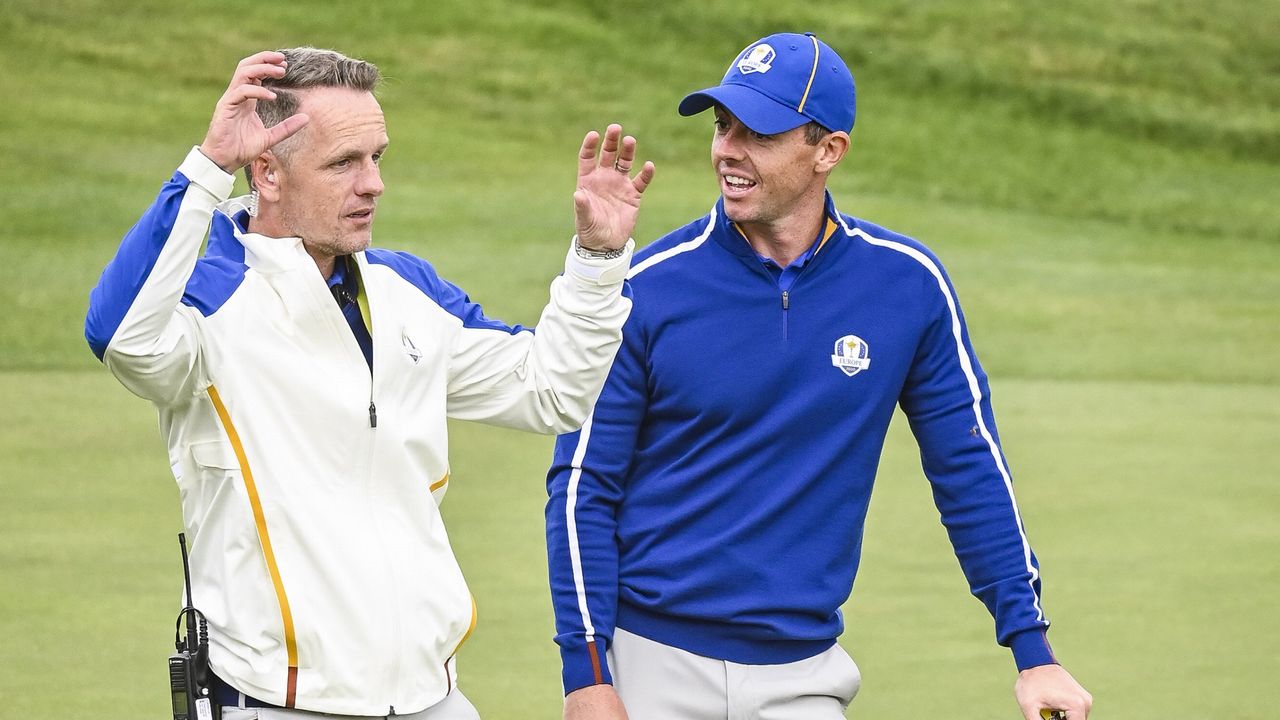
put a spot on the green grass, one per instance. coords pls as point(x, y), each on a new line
point(1099, 177)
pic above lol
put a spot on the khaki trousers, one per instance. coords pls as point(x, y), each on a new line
point(455, 706)
point(659, 682)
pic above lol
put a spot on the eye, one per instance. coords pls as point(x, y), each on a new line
point(377, 157)
point(344, 162)
point(761, 136)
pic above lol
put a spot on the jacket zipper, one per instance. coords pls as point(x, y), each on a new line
point(398, 657)
point(786, 305)
point(344, 299)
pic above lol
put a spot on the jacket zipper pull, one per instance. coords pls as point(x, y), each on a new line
point(786, 300)
point(373, 415)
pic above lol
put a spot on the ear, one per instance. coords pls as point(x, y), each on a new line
point(266, 176)
point(830, 150)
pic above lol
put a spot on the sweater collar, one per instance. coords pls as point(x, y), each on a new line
point(730, 238)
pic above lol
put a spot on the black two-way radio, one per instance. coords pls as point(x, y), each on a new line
point(189, 677)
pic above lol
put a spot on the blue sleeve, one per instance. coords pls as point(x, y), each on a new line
point(948, 403)
point(125, 275)
point(585, 486)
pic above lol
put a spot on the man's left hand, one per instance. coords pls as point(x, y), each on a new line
point(1051, 687)
point(607, 200)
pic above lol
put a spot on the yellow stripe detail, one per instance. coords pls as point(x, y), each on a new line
point(286, 615)
point(812, 74)
point(362, 298)
point(831, 229)
point(475, 615)
point(439, 483)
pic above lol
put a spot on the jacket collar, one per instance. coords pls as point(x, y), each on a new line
point(229, 237)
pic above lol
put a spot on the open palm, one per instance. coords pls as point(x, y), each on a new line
point(236, 134)
point(607, 200)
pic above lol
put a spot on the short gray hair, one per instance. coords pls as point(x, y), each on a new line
point(308, 68)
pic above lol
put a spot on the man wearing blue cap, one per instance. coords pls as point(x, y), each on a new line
point(704, 526)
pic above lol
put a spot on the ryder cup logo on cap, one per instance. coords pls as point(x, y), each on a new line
point(782, 82)
point(757, 60)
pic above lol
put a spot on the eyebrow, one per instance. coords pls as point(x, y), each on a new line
point(354, 154)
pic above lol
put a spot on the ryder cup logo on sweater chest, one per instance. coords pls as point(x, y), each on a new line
point(851, 355)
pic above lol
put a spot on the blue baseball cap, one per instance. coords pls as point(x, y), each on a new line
point(782, 82)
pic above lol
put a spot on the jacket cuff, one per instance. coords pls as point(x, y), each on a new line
point(1031, 648)
point(584, 664)
point(598, 271)
point(204, 172)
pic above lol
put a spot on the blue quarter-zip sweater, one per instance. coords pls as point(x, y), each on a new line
point(716, 498)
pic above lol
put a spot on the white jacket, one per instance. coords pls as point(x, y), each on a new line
point(318, 553)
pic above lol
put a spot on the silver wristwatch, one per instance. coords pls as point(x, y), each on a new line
point(589, 254)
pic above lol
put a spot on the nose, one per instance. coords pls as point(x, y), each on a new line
point(728, 145)
point(370, 181)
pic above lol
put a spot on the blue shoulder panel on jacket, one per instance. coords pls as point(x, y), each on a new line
point(213, 283)
point(222, 236)
point(125, 275)
point(420, 274)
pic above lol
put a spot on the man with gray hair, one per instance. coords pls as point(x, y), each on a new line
point(303, 380)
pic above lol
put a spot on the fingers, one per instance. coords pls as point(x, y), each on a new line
point(246, 83)
point(267, 63)
point(644, 178)
point(627, 155)
point(609, 149)
point(259, 58)
point(253, 69)
point(581, 205)
point(587, 155)
point(239, 93)
point(286, 127)
point(584, 219)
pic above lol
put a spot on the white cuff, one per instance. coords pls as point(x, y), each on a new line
point(202, 171)
point(598, 271)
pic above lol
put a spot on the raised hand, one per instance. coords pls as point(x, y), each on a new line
point(236, 135)
point(607, 200)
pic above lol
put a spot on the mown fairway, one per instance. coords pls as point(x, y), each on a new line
point(1099, 177)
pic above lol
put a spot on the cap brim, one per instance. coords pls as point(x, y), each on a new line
point(756, 110)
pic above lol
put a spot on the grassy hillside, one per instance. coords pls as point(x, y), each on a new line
point(1099, 177)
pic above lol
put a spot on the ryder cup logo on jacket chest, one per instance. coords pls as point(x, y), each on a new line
point(851, 355)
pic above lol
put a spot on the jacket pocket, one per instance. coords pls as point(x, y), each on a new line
point(214, 455)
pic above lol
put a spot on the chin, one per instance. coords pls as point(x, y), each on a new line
point(355, 243)
point(737, 211)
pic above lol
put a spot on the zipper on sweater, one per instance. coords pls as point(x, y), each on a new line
point(786, 305)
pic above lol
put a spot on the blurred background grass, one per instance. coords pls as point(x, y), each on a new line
point(1100, 178)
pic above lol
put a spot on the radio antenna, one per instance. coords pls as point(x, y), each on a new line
point(190, 609)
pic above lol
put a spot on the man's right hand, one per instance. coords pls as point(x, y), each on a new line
point(594, 702)
point(236, 135)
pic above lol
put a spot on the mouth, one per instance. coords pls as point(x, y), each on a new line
point(733, 185)
point(361, 216)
